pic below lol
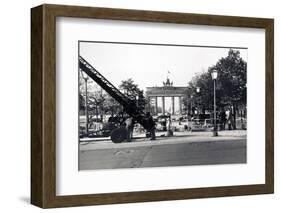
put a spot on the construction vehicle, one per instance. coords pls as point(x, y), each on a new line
point(118, 135)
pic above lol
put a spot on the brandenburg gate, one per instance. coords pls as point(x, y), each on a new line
point(164, 92)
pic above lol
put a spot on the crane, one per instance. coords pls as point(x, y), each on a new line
point(129, 106)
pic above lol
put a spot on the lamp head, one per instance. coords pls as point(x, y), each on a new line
point(84, 76)
point(214, 74)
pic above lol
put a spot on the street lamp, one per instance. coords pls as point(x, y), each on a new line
point(137, 101)
point(85, 77)
point(191, 103)
point(198, 91)
point(214, 77)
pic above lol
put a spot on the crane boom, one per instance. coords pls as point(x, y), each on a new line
point(129, 105)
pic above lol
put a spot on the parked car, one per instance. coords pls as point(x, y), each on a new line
point(202, 122)
point(197, 125)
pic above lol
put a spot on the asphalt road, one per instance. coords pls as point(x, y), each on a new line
point(151, 154)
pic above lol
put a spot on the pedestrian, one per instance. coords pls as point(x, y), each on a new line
point(229, 119)
point(129, 127)
point(222, 119)
point(169, 126)
point(150, 126)
point(185, 127)
point(169, 122)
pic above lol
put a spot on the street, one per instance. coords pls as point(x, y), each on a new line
point(178, 150)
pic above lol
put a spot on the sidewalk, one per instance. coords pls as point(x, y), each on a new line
point(179, 137)
point(233, 133)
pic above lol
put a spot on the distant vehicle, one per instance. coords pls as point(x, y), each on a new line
point(162, 121)
point(201, 122)
point(241, 123)
point(97, 128)
point(197, 125)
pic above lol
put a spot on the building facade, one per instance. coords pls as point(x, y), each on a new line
point(168, 94)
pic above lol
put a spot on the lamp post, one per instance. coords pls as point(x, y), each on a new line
point(198, 91)
point(85, 77)
point(214, 77)
point(137, 101)
point(191, 105)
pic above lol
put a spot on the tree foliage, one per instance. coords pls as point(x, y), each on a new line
point(100, 102)
point(231, 83)
point(133, 92)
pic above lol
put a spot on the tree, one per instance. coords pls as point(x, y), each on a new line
point(203, 99)
point(132, 91)
point(231, 83)
point(97, 97)
point(81, 93)
point(111, 106)
point(129, 88)
point(81, 102)
point(232, 78)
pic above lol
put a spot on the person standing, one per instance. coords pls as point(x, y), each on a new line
point(151, 126)
point(222, 119)
point(130, 128)
point(169, 126)
point(229, 119)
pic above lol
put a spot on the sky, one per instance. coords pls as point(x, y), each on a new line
point(148, 65)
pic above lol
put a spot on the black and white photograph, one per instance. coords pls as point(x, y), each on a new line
point(161, 105)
